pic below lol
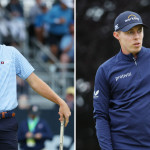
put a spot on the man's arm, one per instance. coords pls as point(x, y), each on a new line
point(44, 90)
point(101, 110)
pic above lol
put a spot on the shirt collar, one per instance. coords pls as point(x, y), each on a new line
point(130, 56)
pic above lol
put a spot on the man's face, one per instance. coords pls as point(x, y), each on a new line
point(131, 41)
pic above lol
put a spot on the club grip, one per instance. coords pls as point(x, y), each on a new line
point(61, 135)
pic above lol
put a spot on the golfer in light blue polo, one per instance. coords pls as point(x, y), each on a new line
point(13, 63)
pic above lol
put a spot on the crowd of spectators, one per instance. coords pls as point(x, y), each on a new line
point(48, 25)
point(13, 27)
point(52, 27)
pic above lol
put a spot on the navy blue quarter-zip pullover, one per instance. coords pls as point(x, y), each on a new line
point(122, 102)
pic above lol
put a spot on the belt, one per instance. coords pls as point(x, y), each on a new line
point(7, 114)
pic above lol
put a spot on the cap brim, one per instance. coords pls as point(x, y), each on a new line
point(128, 27)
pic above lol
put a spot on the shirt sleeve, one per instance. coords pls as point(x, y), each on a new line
point(101, 110)
point(23, 67)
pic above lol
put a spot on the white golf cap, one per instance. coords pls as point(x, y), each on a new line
point(68, 3)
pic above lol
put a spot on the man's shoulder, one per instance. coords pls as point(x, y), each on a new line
point(109, 63)
point(146, 49)
point(6, 48)
point(107, 66)
point(6, 51)
point(145, 53)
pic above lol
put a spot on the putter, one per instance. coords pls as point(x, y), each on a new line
point(61, 135)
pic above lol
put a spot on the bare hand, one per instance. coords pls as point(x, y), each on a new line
point(64, 112)
point(29, 135)
point(38, 136)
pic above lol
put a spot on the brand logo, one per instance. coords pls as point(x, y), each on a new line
point(116, 27)
point(132, 17)
point(5, 62)
point(96, 94)
point(123, 76)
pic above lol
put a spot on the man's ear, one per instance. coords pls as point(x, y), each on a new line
point(116, 35)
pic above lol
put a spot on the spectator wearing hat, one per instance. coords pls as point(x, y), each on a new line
point(59, 18)
point(70, 97)
point(33, 131)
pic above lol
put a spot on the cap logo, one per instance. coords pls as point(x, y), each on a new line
point(132, 17)
point(116, 27)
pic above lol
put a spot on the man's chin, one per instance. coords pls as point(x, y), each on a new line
point(137, 49)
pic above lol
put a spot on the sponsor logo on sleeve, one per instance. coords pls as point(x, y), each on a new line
point(116, 27)
point(96, 94)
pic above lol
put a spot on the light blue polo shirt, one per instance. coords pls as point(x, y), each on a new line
point(12, 63)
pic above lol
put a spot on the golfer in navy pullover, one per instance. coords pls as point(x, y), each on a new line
point(122, 90)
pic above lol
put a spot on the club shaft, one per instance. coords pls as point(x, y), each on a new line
point(61, 135)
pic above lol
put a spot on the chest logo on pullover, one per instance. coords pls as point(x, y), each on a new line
point(123, 76)
point(96, 94)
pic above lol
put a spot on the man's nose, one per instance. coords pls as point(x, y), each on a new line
point(137, 35)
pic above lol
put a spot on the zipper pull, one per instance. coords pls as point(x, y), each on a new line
point(135, 61)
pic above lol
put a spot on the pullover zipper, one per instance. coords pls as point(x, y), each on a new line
point(135, 61)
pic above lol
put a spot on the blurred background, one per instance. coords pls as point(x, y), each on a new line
point(43, 31)
point(94, 45)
